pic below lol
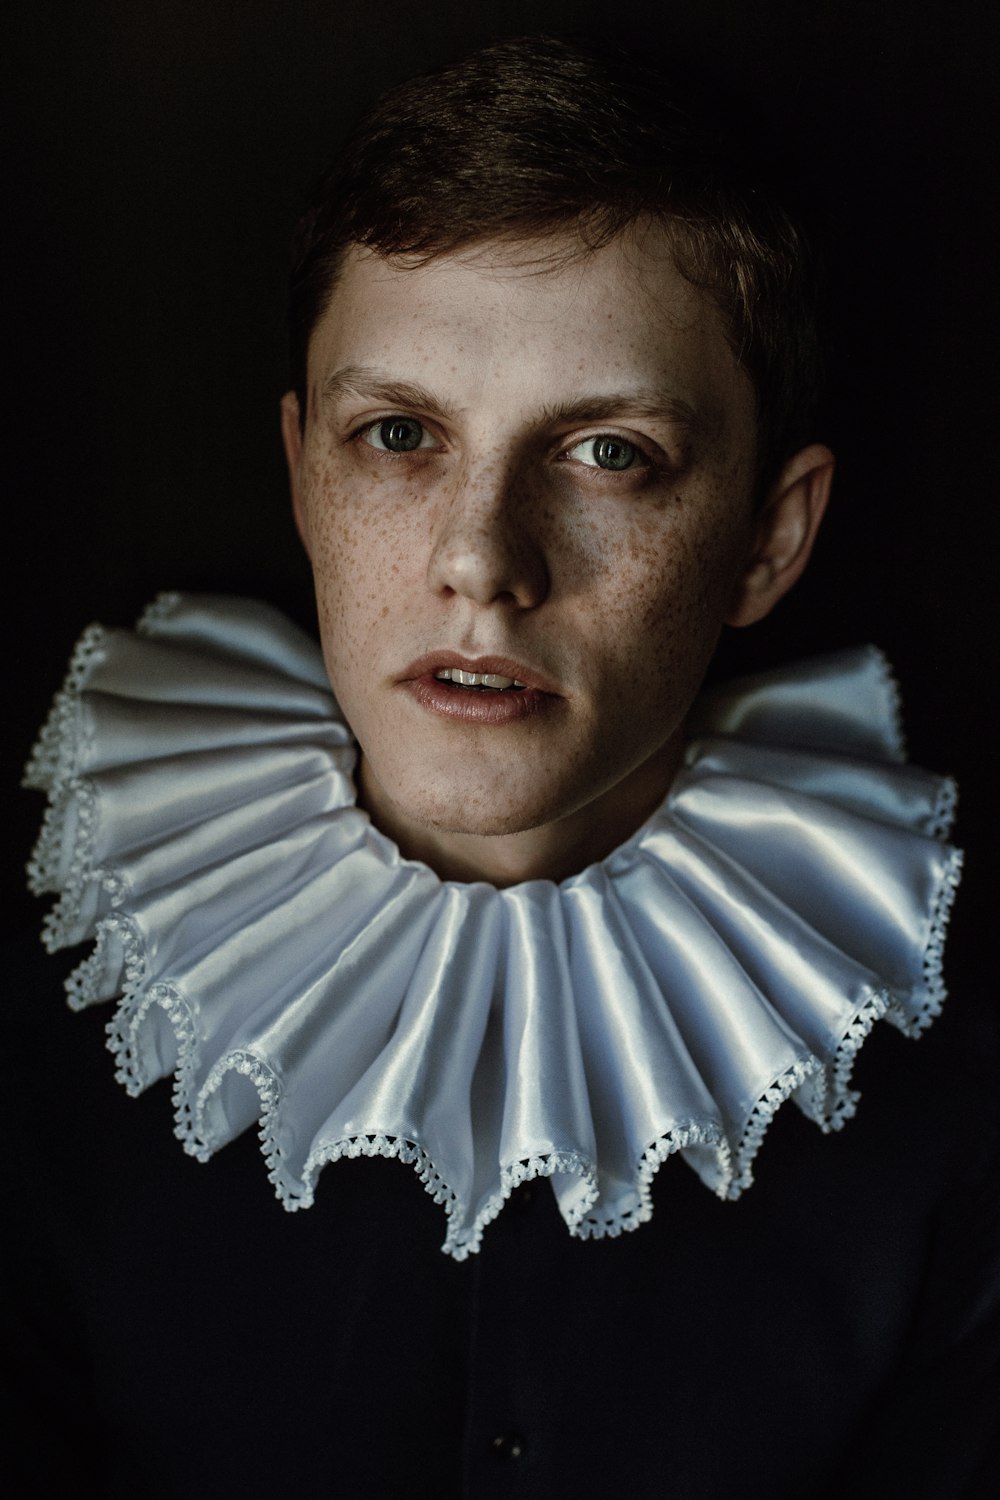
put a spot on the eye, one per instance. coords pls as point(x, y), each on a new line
point(608, 452)
point(397, 435)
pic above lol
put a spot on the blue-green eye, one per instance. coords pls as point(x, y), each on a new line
point(398, 435)
point(608, 452)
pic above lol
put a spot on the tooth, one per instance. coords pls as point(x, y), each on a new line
point(492, 680)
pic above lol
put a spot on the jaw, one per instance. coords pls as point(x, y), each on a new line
point(506, 830)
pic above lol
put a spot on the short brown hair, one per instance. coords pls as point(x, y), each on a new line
point(533, 135)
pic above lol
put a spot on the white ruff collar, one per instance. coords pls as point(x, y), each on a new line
point(275, 951)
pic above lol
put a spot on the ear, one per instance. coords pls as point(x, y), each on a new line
point(786, 529)
point(291, 436)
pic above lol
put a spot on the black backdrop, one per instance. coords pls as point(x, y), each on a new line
point(161, 152)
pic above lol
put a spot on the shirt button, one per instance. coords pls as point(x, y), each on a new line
point(508, 1445)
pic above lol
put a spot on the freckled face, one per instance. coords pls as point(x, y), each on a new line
point(541, 476)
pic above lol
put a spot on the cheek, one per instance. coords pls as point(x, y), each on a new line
point(358, 550)
point(665, 589)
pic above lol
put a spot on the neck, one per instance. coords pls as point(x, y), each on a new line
point(551, 851)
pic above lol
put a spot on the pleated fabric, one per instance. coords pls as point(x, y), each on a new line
point(267, 946)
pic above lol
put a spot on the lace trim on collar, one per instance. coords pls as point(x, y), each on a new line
point(274, 951)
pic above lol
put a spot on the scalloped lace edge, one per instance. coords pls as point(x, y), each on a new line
point(82, 985)
point(49, 760)
point(297, 1193)
point(893, 703)
point(841, 1100)
point(823, 1089)
point(460, 1241)
point(763, 1112)
point(916, 1015)
point(51, 768)
point(79, 796)
point(945, 807)
point(826, 1096)
point(159, 610)
point(829, 1103)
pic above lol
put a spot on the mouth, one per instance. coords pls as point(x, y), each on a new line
point(479, 674)
point(479, 682)
point(482, 690)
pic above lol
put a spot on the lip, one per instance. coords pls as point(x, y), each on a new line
point(501, 666)
point(487, 707)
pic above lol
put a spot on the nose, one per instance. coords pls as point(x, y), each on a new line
point(486, 548)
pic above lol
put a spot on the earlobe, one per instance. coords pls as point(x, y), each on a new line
point(291, 436)
point(786, 530)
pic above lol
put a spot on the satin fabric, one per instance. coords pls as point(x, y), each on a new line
point(274, 951)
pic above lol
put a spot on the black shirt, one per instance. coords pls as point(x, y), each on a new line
point(835, 1332)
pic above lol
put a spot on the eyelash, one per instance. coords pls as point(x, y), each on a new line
point(645, 460)
point(358, 433)
point(651, 462)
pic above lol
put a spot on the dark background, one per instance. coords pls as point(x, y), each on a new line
point(161, 152)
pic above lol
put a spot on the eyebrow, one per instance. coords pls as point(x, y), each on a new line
point(365, 381)
point(654, 406)
point(362, 380)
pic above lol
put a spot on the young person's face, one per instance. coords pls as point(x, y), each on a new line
point(541, 477)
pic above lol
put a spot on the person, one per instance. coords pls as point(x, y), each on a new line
point(518, 902)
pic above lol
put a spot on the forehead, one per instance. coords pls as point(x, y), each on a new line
point(509, 322)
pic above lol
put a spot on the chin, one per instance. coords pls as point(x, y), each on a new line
point(474, 811)
point(478, 819)
point(484, 827)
